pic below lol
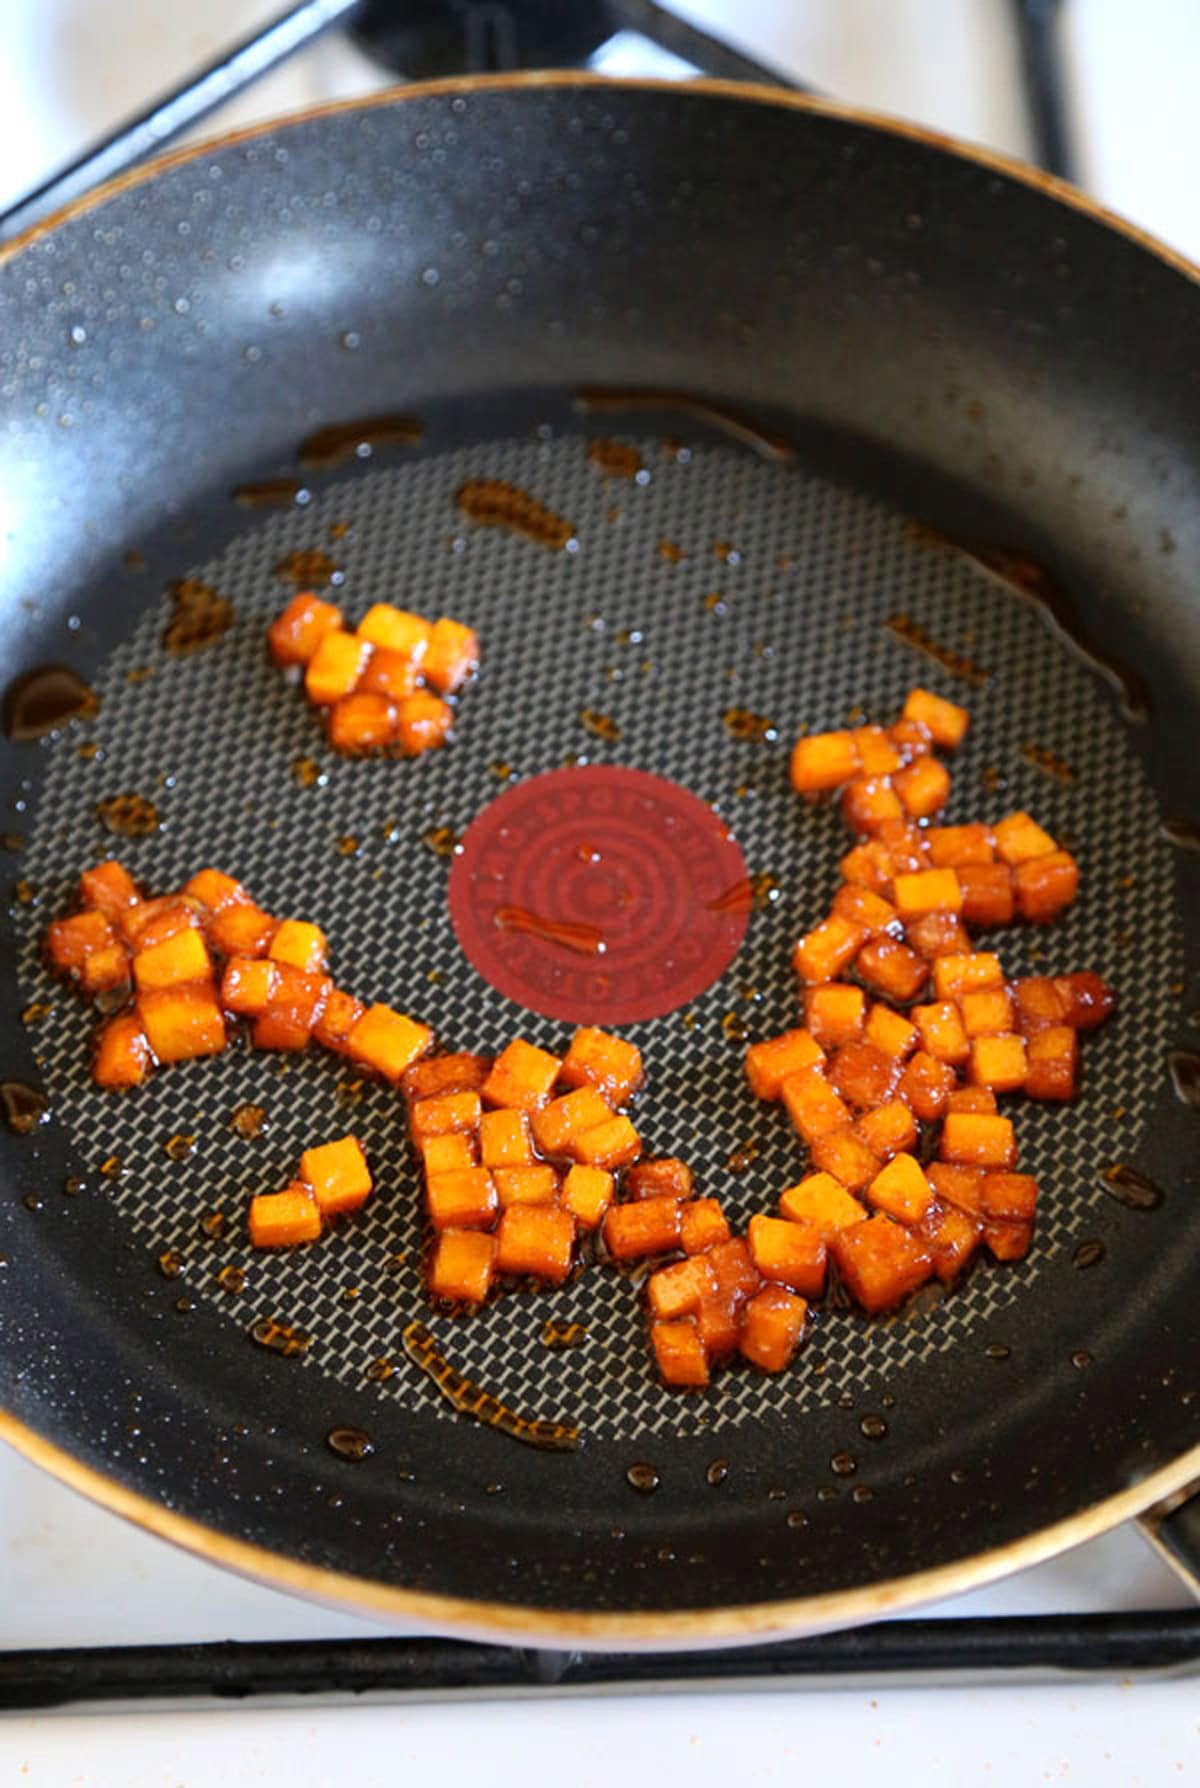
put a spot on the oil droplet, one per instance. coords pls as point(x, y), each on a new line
point(110, 1167)
point(956, 663)
point(41, 700)
point(751, 728)
point(734, 1028)
point(584, 940)
point(354, 1444)
point(37, 1012)
point(24, 1106)
point(170, 1263)
point(1089, 1254)
point(1185, 1075)
point(443, 841)
point(996, 1350)
point(232, 1279)
point(280, 1337)
point(862, 1493)
point(248, 1121)
point(671, 552)
point(212, 1224)
point(348, 845)
point(643, 1478)
point(73, 1185)
point(268, 493)
point(873, 1426)
point(558, 1334)
point(358, 439)
point(307, 773)
point(1081, 1358)
point(958, 1475)
point(827, 1493)
point(33, 1201)
point(1130, 1188)
point(88, 752)
point(602, 726)
point(843, 1465)
point(200, 616)
point(617, 459)
point(797, 1518)
point(500, 770)
point(742, 1157)
point(185, 1305)
point(129, 816)
point(349, 1092)
point(1184, 834)
point(887, 1400)
point(492, 503)
point(1048, 761)
point(180, 1147)
point(716, 1472)
point(726, 552)
point(379, 1370)
point(306, 567)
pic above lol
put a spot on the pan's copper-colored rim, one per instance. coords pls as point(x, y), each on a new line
point(565, 1628)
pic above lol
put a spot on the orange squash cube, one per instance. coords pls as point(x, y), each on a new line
point(823, 761)
point(925, 1086)
point(361, 722)
point(69, 942)
point(787, 1252)
point(422, 722)
point(504, 1139)
point(976, 1139)
point(1019, 839)
point(295, 634)
point(890, 1032)
point(677, 1290)
point(863, 1074)
point(834, 1013)
point(1053, 1063)
point(957, 1185)
point(182, 1023)
point(945, 721)
point(338, 1174)
point(155, 921)
point(813, 1106)
point(462, 1265)
point(451, 1152)
point(827, 949)
point(213, 889)
point(636, 1231)
point(822, 1203)
point(942, 1032)
point(444, 1114)
point(108, 887)
point(1010, 1197)
point(869, 865)
point(105, 969)
point(878, 754)
point(846, 1156)
point(557, 1125)
point(892, 969)
point(395, 630)
point(867, 801)
point(904, 841)
point(928, 891)
point(1008, 1241)
point(123, 1055)
point(938, 934)
point(987, 1014)
point(880, 1262)
point(951, 1236)
point(769, 1063)
point(536, 1239)
point(335, 667)
point(290, 1015)
point(247, 985)
point(281, 1219)
point(338, 1017)
point(176, 960)
point(1046, 887)
point(1088, 1000)
point(662, 1177)
point(679, 1354)
point(587, 1193)
point(388, 674)
point(772, 1328)
point(999, 1063)
point(901, 1189)
point(521, 1077)
point(1040, 1002)
point(737, 1280)
point(526, 1185)
point(862, 906)
point(610, 1145)
point(889, 1130)
point(240, 928)
point(954, 847)
point(719, 1325)
point(437, 1074)
point(923, 787)
point(911, 739)
point(610, 1064)
point(955, 976)
point(972, 1098)
point(388, 1042)
point(987, 891)
point(464, 1198)
point(452, 655)
point(702, 1225)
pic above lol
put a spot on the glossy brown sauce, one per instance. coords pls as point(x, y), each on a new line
point(268, 493)
point(199, 616)
point(1131, 1188)
point(41, 700)
point(129, 816)
point(342, 440)
point(472, 1400)
point(716, 1471)
point(617, 459)
point(735, 1027)
point(307, 567)
point(1089, 1254)
point(643, 1477)
point(601, 400)
point(354, 1444)
point(741, 723)
point(493, 503)
point(957, 664)
point(575, 935)
point(279, 1337)
point(602, 726)
point(1184, 1065)
point(24, 1107)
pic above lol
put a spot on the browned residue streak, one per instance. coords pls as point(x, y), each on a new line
point(584, 939)
point(268, 493)
point(1042, 758)
point(199, 617)
point(40, 700)
point(616, 459)
point(603, 726)
point(956, 663)
point(671, 551)
point(342, 440)
point(746, 725)
point(611, 400)
point(493, 503)
point(129, 816)
point(305, 567)
point(472, 1400)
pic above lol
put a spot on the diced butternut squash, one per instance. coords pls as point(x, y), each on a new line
point(892, 969)
point(955, 847)
point(289, 1016)
point(464, 1198)
point(680, 1354)
point(823, 1203)
point(537, 1184)
point(536, 1239)
point(1041, 1002)
point(1019, 839)
point(452, 655)
point(945, 721)
point(610, 1064)
point(1046, 886)
point(864, 1075)
point(972, 1098)
point(504, 1139)
point(1010, 1197)
point(182, 1023)
point(449, 1153)
point(769, 1063)
point(955, 976)
point(987, 1014)
point(396, 630)
point(880, 1262)
point(69, 942)
point(925, 1086)
point(388, 1042)
point(637, 1231)
point(901, 1189)
point(888, 1130)
point(877, 753)
point(825, 951)
point(338, 1017)
point(999, 1063)
point(958, 1185)
point(437, 1074)
point(664, 1176)
point(912, 738)
point(862, 906)
point(869, 865)
point(823, 761)
point(942, 1033)
point(240, 928)
point(177, 959)
point(362, 722)
point(247, 985)
point(388, 674)
point(123, 1056)
point(928, 891)
point(813, 1105)
point(976, 1139)
point(702, 1225)
point(952, 1236)
point(923, 787)
point(445, 1113)
point(338, 1174)
point(610, 1145)
point(1008, 1241)
point(587, 1193)
point(155, 921)
point(295, 635)
point(109, 887)
point(105, 969)
point(213, 889)
point(867, 801)
point(934, 935)
point(790, 1253)
point(772, 1328)
point(422, 722)
point(335, 667)
point(987, 890)
point(1088, 1000)
point(521, 1078)
point(677, 1290)
point(462, 1265)
point(556, 1126)
point(281, 1219)
point(719, 1318)
point(834, 1014)
point(1053, 1071)
point(890, 1032)
point(846, 1156)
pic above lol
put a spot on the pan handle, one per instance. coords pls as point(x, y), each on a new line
point(1173, 1529)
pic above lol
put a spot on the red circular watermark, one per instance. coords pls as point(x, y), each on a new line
point(599, 895)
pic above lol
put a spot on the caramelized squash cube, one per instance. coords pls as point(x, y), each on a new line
point(862, 906)
point(1088, 1000)
point(904, 842)
point(537, 1184)
point(892, 969)
point(240, 928)
point(702, 1225)
point(176, 960)
point(338, 1174)
point(928, 891)
point(155, 921)
point(464, 1198)
point(987, 891)
point(396, 630)
point(295, 634)
point(281, 1219)
point(889, 1130)
point(212, 890)
point(1019, 839)
point(449, 1153)
point(504, 1139)
point(846, 1156)
point(988, 1014)
point(813, 1106)
point(864, 1075)
point(289, 1016)
point(719, 1318)
point(521, 1077)
point(388, 1042)
point(462, 1265)
point(422, 722)
point(823, 761)
point(923, 787)
point(956, 847)
point(587, 1193)
point(935, 935)
point(999, 1063)
point(108, 887)
point(557, 1125)
point(912, 738)
point(956, 976)
point(823, 1203)
point(679, 1354)
point(878, 754)
point(1041, 1003)
point(663, 1177)
point(247, 985)
point(69, 942)
point(957, 1185)
point(1010, 1197)
point(925, 1086)
point(446, 1114)
point(537, 1239)
point(952, 1236)
point(677, 1290)
point(182, 1023)
point(945, 721)
point(1053, 1063)
point(769, 1063)
point(869, 865)
point(1008, 1241)
point(880, 1262)
point(772, 1328)
point(972, 1098)
point(610, 1145)
point(636, 1231)
point(890, 1032)
point(123, 1057)
point(610, 1064)
point(867, 801)
point(388, 674)
point(976, 1139)
point(787, 1252)
point(335, 667)
point(105, 969)
point(823, 952)
point(362, 722)
point(942, 1032)
point(834, 1014)
point(1046, 887)
point(338, 1017)
point(901, 1189)
point(437, 1074)
point(452, 655)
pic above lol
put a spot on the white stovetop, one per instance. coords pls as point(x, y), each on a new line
point(70, 1574)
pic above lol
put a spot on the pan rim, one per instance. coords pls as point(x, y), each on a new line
point(564, 1628)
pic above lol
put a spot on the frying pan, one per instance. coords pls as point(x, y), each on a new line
point(863, 374)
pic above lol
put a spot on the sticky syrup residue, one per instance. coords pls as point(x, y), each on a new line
point(307, 773)
point(741, 723)
point(180, 1147)
point(601, 400)
point(268, 493)
point(129, 816)
point(742, 1157)
point(472, 1400)
point(279, 1337)
point(170, 1263)
point(1184, 1066)
point(1183, 834)
point(354, 1444)
point(443, 841)
point(1130, 1188)
point(601, 726)
point(248, 1121)
point(493, 503)
point(306, 567)
point(213, 1224)
point(358, 439)
point(24, 1107)
point(956, 663)
point(572, 934)
point(41, 700)
point(1089, 1254)
point(232, 1279)
point(671, 551)
point(1049, 762)
point(643, 1478)
point(199, 617)
point(617, 459)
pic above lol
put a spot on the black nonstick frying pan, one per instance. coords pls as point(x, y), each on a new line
point(859, 374)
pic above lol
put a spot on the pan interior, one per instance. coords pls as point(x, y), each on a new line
point(708, 580)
